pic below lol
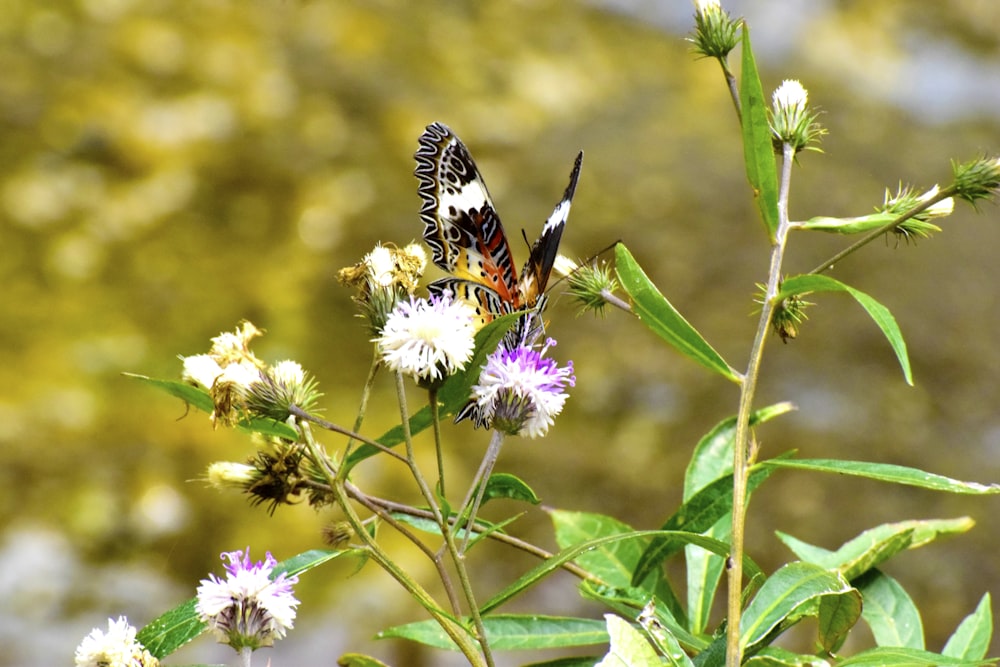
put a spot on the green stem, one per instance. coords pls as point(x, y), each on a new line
point(734, 90)
point(744, 451)
point(442, 522)
point(888, 227)
point(436, 423)
point(481, 479)
point(451, 626)
point(366, 393)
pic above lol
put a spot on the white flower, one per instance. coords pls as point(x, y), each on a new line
point(248, 609)
point(115, 648)
point(703, 7)
point(381, 263)
point(940, 209)
point(202, 369)
point(288, 372)
point(790, 95)
point(428, 340)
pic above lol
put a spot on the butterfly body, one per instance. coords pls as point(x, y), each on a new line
point(466, 237)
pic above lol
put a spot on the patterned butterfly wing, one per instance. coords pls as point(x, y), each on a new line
point(462, 227)
point(535, 275)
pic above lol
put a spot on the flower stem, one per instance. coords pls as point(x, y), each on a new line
point(432, 397)
point(744, 449)
point(480, 480)
point(366, 392)
point(944, 193)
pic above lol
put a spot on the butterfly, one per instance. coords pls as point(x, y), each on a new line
point(467, 240)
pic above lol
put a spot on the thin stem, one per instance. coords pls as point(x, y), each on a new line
point(442, 522)
point(480, 480)
point(734, 90)
point(744, 452)
point(366, 393)
point(503, 538)
point(298, 412)
point(451, 626)
point(615, 301)
point(246, 656)
point(945, 193)
point(411, 460)
point(432, 396)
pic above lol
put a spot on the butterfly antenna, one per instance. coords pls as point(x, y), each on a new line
point(589, 260)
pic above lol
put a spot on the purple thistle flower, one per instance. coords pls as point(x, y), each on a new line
point(248, 609)
point(520, 391)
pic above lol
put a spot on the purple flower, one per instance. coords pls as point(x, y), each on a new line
point(520, 391)
point(248, 609)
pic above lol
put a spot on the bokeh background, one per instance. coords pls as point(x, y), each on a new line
point(169, 168)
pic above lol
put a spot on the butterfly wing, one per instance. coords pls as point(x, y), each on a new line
point(535, 275)
point(462, 227)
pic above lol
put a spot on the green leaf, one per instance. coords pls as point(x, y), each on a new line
point(889, 611)
point(663, 319)
point(773, 656)
point(837, 615)
point(200, 399)
point(785, 592)
point(510, 487)
point(697, 515)
point(171, 630)
point(877, 545)
point(358, 660)
point(511, 632)
point(971, 639)
point(548, 566)
point(712, 458)
point(864, 223)
point(807, 284)
point(666, 640)
point(612, 562)
point(574, 661)
point(628, 646)
point(886, 472)
point(758, 149)
point(165, 634)
point(453, 394)
point(885, 656)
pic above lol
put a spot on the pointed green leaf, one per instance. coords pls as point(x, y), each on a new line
point(713, 458)
point(786, 591)
point(807, 284)
point(171, 630)
point(628, 647)
point(663, 319)
point(573, 661)
point(886, 656)
point(511, 632)
point(865, 223)
point(548, 566)
point(837, 616)
point(889, 611)
point(697, 515)
point(971, 639)
point(886, 472)
point(664, 638)
point(200, 399)
point(358, 660)
point(773, 656)
point(877, 545)
point(503, 485)
point(758, 148)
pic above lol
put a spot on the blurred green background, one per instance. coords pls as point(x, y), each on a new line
point(170, 168)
